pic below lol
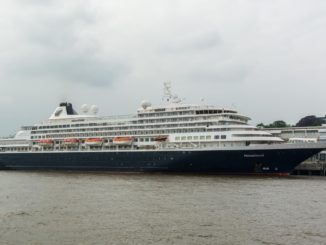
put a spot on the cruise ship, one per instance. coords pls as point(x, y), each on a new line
point(174, 137)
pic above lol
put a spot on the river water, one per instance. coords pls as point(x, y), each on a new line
point(106, 208)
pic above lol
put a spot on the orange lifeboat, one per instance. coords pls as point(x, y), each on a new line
point(45, 142)
point(70, 141)
point(123, 140)
point(161, 138)
point(94, 141)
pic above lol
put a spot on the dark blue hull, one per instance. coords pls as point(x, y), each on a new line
point(218, 161)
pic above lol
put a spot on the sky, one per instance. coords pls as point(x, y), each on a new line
point(267, 59)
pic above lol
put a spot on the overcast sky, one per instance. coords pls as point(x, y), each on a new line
point(266, 58)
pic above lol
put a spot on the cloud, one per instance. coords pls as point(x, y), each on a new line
point(57, 43)
point(225, 73)
point(71, 66)
point(184, 41)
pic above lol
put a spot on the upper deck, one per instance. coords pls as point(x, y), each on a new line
point(175, 123)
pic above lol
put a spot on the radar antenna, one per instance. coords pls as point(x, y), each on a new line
point(169, 97)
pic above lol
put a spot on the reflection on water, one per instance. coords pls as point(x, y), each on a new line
point(106, 208)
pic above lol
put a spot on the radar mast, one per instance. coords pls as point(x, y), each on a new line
point(169, 97)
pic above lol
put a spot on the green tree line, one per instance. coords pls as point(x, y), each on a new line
point(308, 121)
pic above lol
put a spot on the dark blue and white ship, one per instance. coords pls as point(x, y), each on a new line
point(176, 137)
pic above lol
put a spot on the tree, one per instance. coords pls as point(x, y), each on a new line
point(276, 124)
point(309, 121)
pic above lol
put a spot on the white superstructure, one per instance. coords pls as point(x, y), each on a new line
point(175, 124)
point(322, 133)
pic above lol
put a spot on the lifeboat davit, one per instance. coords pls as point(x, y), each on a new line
point(70, 142)
point(94, 141)
point(45, 142)
point(123, 140)
point(161, 138)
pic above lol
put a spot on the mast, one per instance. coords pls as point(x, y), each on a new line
point(168, 96)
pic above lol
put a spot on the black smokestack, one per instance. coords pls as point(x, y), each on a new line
point(69, 108)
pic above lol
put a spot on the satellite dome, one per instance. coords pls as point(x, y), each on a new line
point(85, 108)
point(145, 104)
point(94, 109)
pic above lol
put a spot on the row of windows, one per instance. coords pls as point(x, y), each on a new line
point(156, 112)
point(251, 135)
point(192, 118)
point(199, 137)
point(55, 126)
point(15, 149)
point(90, 133)
point(134, 122)
point(104, 134)
point(213, 111)
point(163, 126)
point(166, 114)
point(183, 125)
point(102, 124)
point(138, 132)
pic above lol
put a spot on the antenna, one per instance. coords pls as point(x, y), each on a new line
point(167, 89)
point(169, 97)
